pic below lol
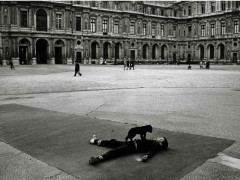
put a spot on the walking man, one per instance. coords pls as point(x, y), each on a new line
point(77, 69)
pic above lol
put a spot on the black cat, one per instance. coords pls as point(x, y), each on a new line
point(138, 130)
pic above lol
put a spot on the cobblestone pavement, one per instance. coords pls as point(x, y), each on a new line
point(196, 101)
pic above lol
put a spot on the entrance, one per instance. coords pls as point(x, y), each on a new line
point(23, 54)
point(79, 57)
point(41, 48)
point(234, 58)
point(174, 58)
point(58, 55)
point(132, 55)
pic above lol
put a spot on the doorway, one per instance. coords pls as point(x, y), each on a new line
point(132, 55)
point(41, 48)
point(58, 55)
point(23, 54)
point(79, 57)
point(234, 57)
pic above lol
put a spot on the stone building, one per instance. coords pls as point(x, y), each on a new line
point(93, 32)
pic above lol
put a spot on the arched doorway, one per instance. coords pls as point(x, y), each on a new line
point(42, 51)
point(118, 48)
point(145, 51)
point(94, 52)
point(154, 51)
point(106, 50)
point(163, 53)
point(201, 52)
point(59, 52)
point(211, 51)
point(23, 51)
point(41, 20)
point(221, 51)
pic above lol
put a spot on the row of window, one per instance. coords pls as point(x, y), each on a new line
point(223, 29)
point(224, 5)
point(42, 25)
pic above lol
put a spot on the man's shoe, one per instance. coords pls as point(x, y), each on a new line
point(94, 160)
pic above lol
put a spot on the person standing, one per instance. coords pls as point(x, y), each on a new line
point(77, 69)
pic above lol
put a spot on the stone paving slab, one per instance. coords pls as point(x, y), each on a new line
point(16, 165)
point(61, 140)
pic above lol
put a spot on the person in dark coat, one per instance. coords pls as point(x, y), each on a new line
point(121, 148)
point(207, 65)
point(77, 69)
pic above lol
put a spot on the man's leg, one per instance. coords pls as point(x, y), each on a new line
point(126, 148)
point(113, 143)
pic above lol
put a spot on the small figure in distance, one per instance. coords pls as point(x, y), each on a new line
point(138, 130)
point(77, 69)
point(201, 65)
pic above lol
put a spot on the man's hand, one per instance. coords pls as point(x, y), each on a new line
point(145, 158)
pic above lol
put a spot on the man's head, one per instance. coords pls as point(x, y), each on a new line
point(75, 61)
point(162, 141)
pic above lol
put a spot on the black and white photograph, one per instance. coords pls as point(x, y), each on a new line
point(120, 90)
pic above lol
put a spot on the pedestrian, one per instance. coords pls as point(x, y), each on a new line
point(77, 69)
point(207, 64)
point(11, 65)
point(121, 148)
point(201, 65)
point(132, 65)
point(125, 64)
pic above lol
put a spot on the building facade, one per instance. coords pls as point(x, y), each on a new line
point(95, 32)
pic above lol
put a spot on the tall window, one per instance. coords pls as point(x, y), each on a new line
point(237, 4)
point(212, 29)
point(235, 26)
point(58, 21)
point(223, 5)
point(213, 7)
point(93, 25)
point(162, 30)
point(202, 30)
point(153, 30)
point(189, 10)
point(116, 27)
point(203, 8)
point(174, 31)
point(78, 23)
point(144, 29)
point(153, 11)
point(105, 26)
point(41, 18)
point(132, 28)
point(105, 4)
point(175, 13)
point(223, 28)
point(189, 30)
point(162, 12)
point(23, 18)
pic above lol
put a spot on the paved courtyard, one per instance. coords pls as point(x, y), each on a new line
point(169, 97)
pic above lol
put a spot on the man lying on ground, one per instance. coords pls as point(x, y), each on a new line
point(121, 148)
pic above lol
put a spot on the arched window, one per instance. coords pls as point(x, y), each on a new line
point(41, 18)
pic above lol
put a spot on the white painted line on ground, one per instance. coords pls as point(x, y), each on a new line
point(226, 160)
